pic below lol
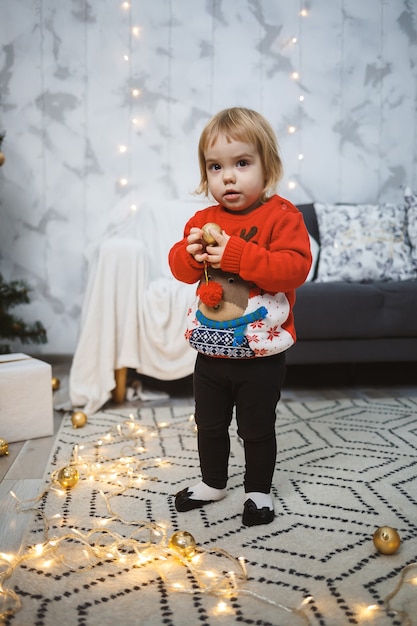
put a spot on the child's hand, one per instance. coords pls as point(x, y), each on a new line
point(195, 245)
point(215, 253)
point(201, 252)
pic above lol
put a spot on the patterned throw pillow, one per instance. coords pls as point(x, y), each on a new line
point(363, 243)
point(410, 198)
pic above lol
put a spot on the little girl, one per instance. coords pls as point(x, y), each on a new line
point(248, 252)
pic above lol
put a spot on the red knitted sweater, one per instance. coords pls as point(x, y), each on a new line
point(268, 247)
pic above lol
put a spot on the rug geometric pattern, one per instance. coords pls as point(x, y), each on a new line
point(344, 468)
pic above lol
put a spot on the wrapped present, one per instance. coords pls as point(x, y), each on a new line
point(26, 405)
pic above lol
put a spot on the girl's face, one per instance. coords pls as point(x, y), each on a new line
point(234, 173)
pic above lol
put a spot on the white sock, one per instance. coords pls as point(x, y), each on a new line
point(204, 492)
point(260, 499)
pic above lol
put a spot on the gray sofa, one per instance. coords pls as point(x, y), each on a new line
point(343, 322)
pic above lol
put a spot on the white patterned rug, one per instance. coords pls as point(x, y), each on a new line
point(102, 552)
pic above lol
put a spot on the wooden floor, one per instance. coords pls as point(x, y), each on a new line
point(23, 469)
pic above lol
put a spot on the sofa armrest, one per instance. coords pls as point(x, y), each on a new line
point(310, 220)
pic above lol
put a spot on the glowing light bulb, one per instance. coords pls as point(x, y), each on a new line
point(291, 185)
point(241, 560)
point(300, 157)
point(126, 57)
point(139, 122)
point(303, 12)
point(301, 98)
point(366, 611)
point(136, 31)
point(133, 207)
point(126, 5)
point(222, 608)
point(122, 149)
point(123, 182)
point(291, 129)
point(38, 548)
point(135, 92)
point(295, 75)
point(294, 40)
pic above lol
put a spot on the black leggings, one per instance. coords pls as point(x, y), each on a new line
point(254, 387)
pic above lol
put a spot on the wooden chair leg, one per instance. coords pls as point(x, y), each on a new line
point(119, 392)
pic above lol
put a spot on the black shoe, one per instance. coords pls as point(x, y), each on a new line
point(252, 516)
point(183, 501)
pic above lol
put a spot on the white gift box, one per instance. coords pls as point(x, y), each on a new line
point(26, 406)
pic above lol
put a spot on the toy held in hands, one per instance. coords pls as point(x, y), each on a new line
point(207, 236)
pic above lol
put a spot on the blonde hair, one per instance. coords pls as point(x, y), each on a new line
point(248, 126)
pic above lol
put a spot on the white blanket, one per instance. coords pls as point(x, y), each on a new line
point(128, 320)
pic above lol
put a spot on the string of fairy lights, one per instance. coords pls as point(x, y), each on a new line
point(112, 466)
point(95, 465)
point(295, 127)
point(136, 120)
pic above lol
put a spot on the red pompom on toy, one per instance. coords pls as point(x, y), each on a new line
point(210, 293)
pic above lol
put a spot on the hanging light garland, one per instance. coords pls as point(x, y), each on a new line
point(126, 149)
point(295, 128)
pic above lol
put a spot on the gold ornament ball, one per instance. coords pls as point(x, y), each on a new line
point(68, 476)
point(207, 236)
point(183, 543)
point(78, 419)
point(386, 540)
point(56, 383)
point(4, 447)
point(2, 159)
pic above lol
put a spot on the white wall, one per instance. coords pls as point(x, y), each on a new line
point(66, 105)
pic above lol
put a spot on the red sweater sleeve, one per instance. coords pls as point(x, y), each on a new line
point(183, 265)
point(280, 264)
